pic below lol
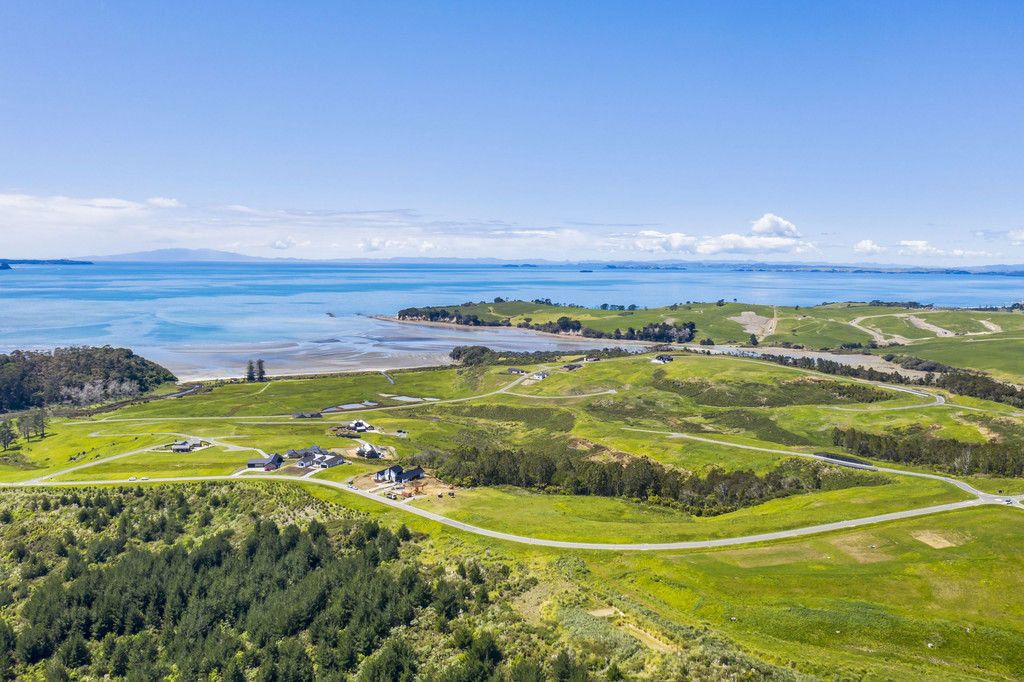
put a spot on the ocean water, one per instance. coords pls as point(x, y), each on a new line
point(207, 319)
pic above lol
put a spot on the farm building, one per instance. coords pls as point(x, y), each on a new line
point(359, 426)
point(269, 462)
point(307, 415)
point(187, 445)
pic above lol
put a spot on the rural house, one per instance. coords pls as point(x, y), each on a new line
point(368, 450)
point(390, 474)
point(268, 463)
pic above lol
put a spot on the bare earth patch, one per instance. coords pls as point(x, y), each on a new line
point(928, 326)
point(753, 323)
point(991, 326)
point(936, 539)
point(649, 640)
point(863, 548)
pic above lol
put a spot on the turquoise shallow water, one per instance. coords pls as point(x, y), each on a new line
point(204, 319)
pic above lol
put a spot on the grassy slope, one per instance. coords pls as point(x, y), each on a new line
point(596, 519)
point(887, 604)
point(787, 598)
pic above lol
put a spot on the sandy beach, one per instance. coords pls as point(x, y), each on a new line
point(393, 344)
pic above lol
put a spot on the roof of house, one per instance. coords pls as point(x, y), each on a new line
point(269, 459)
point(411, 474)
point(396, 468)
point(332, 460)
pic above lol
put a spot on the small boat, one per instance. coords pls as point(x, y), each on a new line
point(586, 270)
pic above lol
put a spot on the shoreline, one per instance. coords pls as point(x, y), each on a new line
point(570, 338)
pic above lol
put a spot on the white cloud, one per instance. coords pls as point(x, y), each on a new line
point(921, 247)
point(26, 209)
point(164, 202)
point(373, 244)
point(867, 246)
point(281, 244)
point(768, 234)
point(772, 225)
point(1016, 237)
point(654, 241)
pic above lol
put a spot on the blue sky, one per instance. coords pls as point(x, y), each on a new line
point(862, 131)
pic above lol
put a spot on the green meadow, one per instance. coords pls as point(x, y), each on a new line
point(949, 579)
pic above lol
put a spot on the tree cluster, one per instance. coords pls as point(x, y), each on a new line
point(952, 379)
point(567, 471)
point(659, 332)
point(32, 424)
point(913, 446)
point(36, 379)
point(255, 371)
point(470, 356)
point(234, 611)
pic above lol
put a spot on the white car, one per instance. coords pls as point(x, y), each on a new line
point(144, 478)
point(132, 479)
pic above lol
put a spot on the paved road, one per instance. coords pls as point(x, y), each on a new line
point(563, 544)
point(985, 497)
point(503, 389)
point(979, 497)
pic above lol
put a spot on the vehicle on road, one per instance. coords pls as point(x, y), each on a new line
point(132, 479)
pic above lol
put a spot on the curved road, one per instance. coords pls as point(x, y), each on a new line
point(979, 497)
point(562, 544)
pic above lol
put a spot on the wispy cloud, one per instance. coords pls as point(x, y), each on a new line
point(51, 226)
point(921, 247)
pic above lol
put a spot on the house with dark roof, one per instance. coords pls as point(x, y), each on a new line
point(315, 450)
point(571, 367)
point(662, 359)
point(269, 462)
point(390, 474)
point(330, 461)
point(515, 370)
point(307, 415)
point(360, 426)
point(306, 461)
point(410, 475)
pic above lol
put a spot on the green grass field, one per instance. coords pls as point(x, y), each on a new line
point(951, 581)
point(597, 519)
point(927, 580)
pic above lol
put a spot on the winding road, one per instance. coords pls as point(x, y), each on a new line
point(979, 498)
